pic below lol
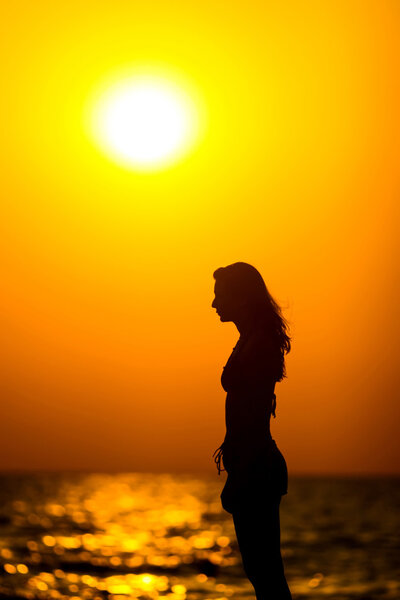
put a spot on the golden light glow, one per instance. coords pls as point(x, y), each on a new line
point(145, 120)
point(291, 164)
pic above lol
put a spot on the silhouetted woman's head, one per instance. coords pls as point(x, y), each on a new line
point(240, 291)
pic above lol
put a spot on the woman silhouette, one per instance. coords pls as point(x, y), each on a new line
point(257, 473)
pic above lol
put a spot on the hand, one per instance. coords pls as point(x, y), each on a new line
point(228, 496)
point(232, 492)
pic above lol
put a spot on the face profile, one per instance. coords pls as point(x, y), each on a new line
point(226, 304)
point(220, 302)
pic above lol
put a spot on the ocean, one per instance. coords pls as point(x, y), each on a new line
point(149, 536)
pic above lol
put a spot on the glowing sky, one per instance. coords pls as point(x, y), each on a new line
point(111, 354)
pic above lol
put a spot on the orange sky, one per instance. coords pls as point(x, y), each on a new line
point(111, 354)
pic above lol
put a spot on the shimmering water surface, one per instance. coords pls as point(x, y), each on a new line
point(148, 536)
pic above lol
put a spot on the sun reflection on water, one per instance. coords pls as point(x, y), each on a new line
point(145, 536)
point(133, 536)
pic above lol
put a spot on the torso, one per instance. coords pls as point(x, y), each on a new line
point(249, 383)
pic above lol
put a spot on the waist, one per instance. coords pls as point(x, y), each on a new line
point(233, 445)
point(258, 432)
point(263, 452)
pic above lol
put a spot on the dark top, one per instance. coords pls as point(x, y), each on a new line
point(249, 379)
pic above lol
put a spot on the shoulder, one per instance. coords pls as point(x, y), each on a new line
point(259, 345)
point(257, 358)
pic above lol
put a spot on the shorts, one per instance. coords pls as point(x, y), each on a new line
point(266, 477)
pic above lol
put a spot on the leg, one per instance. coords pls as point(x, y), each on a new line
point(258, 533)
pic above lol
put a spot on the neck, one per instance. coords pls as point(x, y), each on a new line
point(246, 326)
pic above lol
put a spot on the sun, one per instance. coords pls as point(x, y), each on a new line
point(145, 121)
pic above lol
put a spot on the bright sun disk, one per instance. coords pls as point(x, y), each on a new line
point(144, 122)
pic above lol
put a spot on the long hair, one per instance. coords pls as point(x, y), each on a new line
point(245, 283)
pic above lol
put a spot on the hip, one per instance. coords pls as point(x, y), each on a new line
point(265, 472)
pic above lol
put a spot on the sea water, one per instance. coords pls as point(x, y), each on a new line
point(135, 535)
